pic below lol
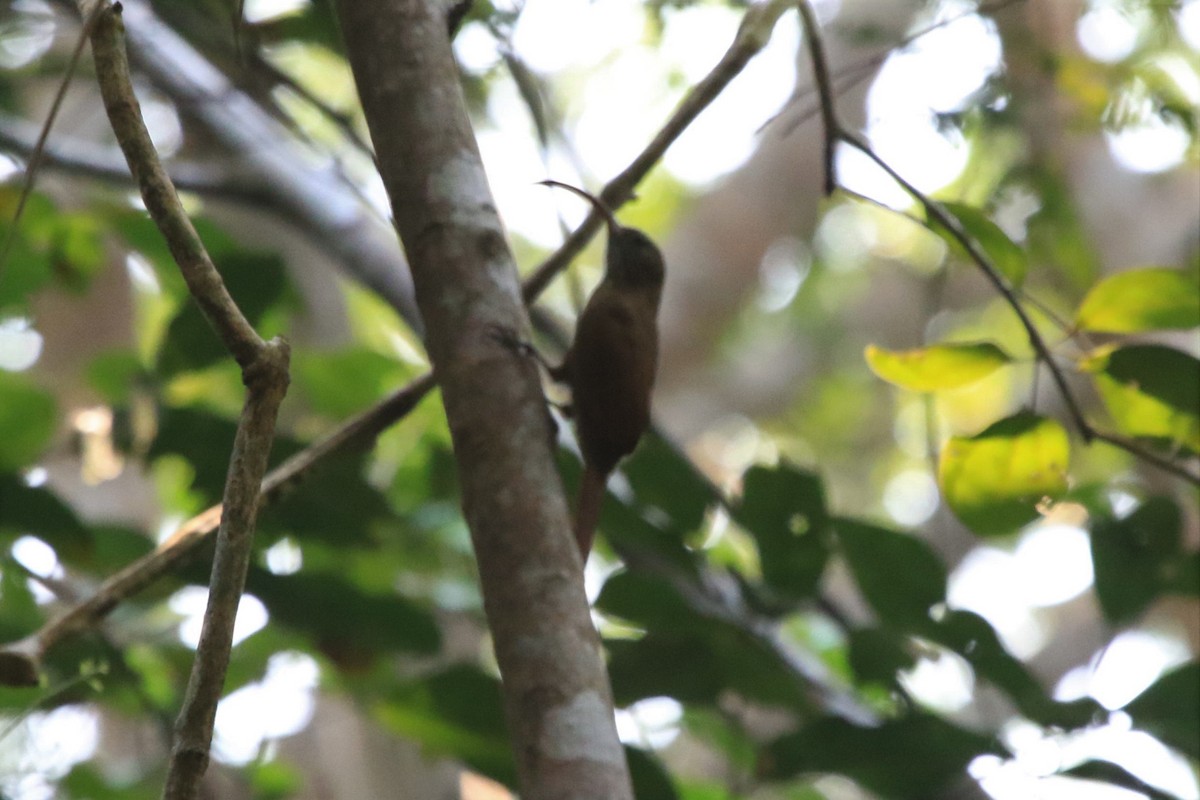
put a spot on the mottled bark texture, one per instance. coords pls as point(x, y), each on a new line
point(556, 689)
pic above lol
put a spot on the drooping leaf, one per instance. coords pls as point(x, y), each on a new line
point(1134, 557)
point(27, 419)
point(784, 510)
point(911, 757)
point(1004, 254)
point(898, 574)
point(994, 481)
point(973, 638)
point(1169, 709)
point(1147, 299)
point(1150, 390)
point(941, 366)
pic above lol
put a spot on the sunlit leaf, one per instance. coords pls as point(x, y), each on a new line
point(1150, 390)
point(994, 481)
point(1004, 254)
point(940, 366)
point(27, 419)
point(1142, 300)
point(1170, 707)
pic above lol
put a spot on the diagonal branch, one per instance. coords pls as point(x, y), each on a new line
point(834, 132)
point(20, 661)
point(265, 373)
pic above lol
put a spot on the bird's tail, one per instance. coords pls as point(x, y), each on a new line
point(587, 510)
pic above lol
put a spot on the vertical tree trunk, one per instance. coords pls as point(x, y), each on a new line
point(557, 696)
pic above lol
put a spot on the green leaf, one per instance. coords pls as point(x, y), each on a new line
point(650, 780)
point(940, 366)
point(27, 419)
point(346, 622)
point(898, 574)
point(645, 600)
point(1150, 390)
point(457, 711)
point(1146, 299)
point(973, 638)
point(1136, 557)
point(339, 384)
point(255, 281)
point(114, 373)
point(663, 478)
point(784, 510)
point(1110, 773)
point(1170, 707)
point(704, 662)
point(911, 757)
point(38, 511)
point(1005, 255)
point(994, 481)
point(879, 654)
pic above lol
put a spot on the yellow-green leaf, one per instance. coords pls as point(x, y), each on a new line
point(1150, 390)
point(1147, 299)
point(940, 366)
point(994, 481)
point(1004, 254)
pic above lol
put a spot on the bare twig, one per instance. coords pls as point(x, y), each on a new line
point(852, 74)
point(752, 36)
point(1135, 449)
point(820, 67)
point(35, 157)
point(265, 374)
point(81, 157)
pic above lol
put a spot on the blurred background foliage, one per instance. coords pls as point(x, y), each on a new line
point(866, 554)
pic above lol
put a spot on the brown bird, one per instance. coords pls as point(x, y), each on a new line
point(611, 364)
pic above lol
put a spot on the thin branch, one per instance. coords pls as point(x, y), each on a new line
point(35, 159)
point(81, 157)
point(265, 374)
point(935, 211)
point(820, 67)
point(751, 37)
point(1132, 447)
point(853, 74)
point(1008, 292)
point(20, 661)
